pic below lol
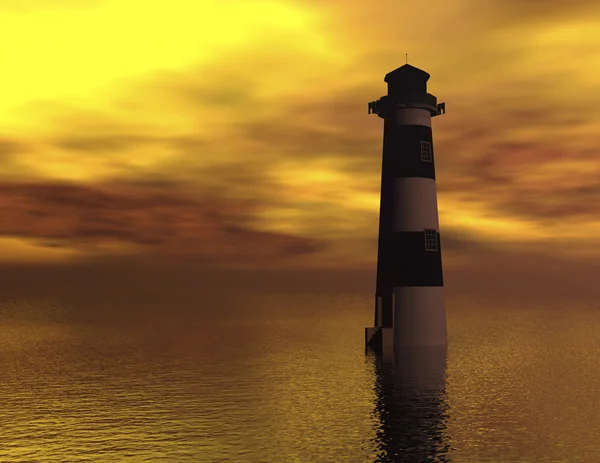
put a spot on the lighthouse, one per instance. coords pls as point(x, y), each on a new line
point(409, 298)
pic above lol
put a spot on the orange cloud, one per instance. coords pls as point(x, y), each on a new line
point(156, 223)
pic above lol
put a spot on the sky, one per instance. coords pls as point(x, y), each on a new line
point(235, 133)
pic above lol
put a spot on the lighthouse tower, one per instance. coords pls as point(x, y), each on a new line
point(409, 300)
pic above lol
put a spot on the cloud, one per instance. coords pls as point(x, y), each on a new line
point(8, 148)
point(526, 10)
point(162, 222)
point(306, 169)
point(101, 143)
point(454, 240)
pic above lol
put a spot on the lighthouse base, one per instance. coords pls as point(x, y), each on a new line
point(418, 317)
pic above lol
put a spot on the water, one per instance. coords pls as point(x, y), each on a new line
point(284, 378)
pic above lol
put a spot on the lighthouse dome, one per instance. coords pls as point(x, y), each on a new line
point(407, 79)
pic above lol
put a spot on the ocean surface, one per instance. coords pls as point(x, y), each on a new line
point(282, 378)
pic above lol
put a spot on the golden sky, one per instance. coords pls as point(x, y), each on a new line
point(237, 130)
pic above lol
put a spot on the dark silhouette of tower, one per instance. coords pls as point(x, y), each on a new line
point(409, 300)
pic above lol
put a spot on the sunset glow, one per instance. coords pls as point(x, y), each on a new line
point(257, 109)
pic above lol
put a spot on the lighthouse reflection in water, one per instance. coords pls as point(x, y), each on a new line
point(411, 405)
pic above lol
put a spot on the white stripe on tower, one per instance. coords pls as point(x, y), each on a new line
point(419, 316)
point(415, 204)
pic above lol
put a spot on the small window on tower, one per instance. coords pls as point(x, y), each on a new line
point(426, 151)
point(431, 240)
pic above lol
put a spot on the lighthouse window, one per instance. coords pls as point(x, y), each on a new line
point(426, 151)
point(431, 241)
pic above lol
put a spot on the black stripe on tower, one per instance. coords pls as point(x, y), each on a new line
point(402, 151)
point(407, 262)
